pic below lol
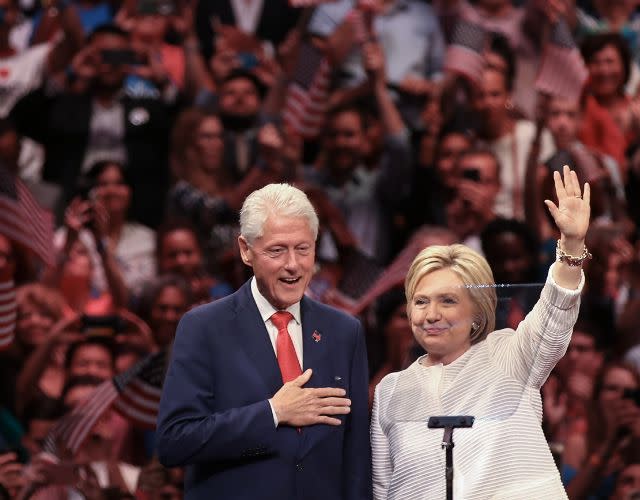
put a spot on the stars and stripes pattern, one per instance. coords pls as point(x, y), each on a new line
point(7, 313)
point(465, 54)
point(140, 399)
point(138, 387)
point(562, 70)
point(22, 219)
point(307, 93)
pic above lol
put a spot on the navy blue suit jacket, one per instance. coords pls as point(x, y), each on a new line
point(215, 418)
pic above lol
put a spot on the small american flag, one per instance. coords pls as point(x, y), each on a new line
point(562, 70)
point(7, 313)
point(139, 400)
point(308, 92)
point(465, 54)
point(22, 219)
point(72, 429)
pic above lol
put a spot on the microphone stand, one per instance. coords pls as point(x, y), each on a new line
point(448, 424)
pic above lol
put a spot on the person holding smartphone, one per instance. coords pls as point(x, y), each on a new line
point(95, 120)
point(472, 206)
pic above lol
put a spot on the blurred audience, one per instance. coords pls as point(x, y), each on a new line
point(142, 125)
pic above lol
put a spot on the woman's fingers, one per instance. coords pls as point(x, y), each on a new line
point(586, 196)
point(561, 191)
point(576, 184)
point(552, 208)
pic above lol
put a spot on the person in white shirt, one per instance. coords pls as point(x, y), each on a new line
point(24, 71)
point(495, 377)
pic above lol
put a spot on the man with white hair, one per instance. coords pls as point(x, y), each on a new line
point(266, 393)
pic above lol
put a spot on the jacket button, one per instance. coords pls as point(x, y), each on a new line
point(299, 467)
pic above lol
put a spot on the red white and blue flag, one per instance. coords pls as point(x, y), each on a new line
point(134, 393)
point(562, 70)
point(7, 313)
point(308, 92)
point(22, 220)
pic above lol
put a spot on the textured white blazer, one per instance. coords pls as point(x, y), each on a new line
point(505, 454)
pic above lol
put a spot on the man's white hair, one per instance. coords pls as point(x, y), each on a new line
point(277, 200)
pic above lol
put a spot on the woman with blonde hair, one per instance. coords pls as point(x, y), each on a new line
point(471, 370)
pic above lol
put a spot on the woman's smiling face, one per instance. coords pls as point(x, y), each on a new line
point(441, 313)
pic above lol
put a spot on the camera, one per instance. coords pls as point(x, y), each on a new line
point(120, 57)
point(161, 7)
point(248, 60)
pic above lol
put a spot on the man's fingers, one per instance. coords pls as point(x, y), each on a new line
point(325, 392)
point(323, 419)
point(302, 379)
point(335, 410)
point(335, 401)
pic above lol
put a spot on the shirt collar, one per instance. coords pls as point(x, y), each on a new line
point(266, 309)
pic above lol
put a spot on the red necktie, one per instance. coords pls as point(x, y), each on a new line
point(287, 358)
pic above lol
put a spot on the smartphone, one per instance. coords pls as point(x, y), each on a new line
point(124, 57)
point(248, 60)
point(471, 174)
point(162, 7)
point(102, 326)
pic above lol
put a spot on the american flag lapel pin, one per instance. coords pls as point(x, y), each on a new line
point(316, 336)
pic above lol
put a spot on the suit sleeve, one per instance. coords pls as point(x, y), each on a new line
point(189, 430)
point(357, 449)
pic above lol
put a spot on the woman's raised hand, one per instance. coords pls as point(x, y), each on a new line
point(572, 212)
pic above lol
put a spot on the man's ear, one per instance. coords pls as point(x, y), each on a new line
point(245, 251)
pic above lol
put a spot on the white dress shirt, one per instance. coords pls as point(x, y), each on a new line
point(505, 454)
point(266, 310)
point(247, 14)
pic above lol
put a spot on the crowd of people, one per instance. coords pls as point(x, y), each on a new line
point(143, 125)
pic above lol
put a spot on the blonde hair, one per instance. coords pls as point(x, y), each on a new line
point(473, 270)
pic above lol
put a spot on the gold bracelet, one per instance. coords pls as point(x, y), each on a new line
point(571, 260)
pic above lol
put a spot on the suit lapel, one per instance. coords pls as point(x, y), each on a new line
point(316, 342)
point(254, 339)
